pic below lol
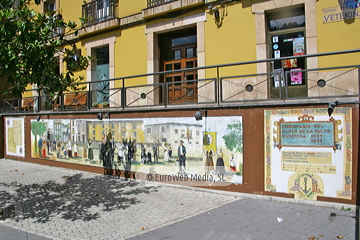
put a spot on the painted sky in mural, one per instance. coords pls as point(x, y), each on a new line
point(307, 153)
point(213, 145)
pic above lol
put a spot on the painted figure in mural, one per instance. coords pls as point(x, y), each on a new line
point(128, 152)
point(44, 145)
point(48, 141)
point(108, 152)
point(209, 163)
point(58, 148)
point(121, 153)
point(58, 145)
point(156, 159)
point(53, 146)
point(113, 146)
point(85, 156)
point(143, 154)
point(40, 143)
point(109, 156)
point(170, 153)
point(90, 154)
point(166, 152)
point(131, 151)
point(69, 149)
point(220, 166)
point(181, 157)
point(232, 163)
point(102, 153)
point(337, 145)
point(75, 149)
point(148, 150)
point(63, 150)
point(109, 136)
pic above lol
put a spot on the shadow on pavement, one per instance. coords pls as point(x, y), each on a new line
point(77, 198)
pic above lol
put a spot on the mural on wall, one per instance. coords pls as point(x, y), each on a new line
point(210, 146)
point(308, 153)
point(15, 140)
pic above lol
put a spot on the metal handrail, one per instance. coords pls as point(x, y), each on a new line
point(218, 81)
point(219, 66)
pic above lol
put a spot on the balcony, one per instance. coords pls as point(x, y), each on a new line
point(153, 3)
point(159, 7)
point(100, 15)
point(98, 11)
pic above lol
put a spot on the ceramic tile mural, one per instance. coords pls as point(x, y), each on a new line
point(308, 153)
point(212, 145)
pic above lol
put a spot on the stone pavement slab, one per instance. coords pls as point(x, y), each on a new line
point(7, 233)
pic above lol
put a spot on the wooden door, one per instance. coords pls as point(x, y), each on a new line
point(181, 87)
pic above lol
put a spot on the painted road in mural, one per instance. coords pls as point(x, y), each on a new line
point(309, 154)
point(210, 147)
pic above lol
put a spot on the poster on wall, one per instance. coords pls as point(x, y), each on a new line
point(296, 77)
point(298, 46)
point(289, 63)
point(278, 78)
point(309, 154)
point(15, 140)
point(210, 146)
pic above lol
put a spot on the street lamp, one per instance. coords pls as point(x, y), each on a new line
point(332, 106)
point(198, 115)
point(100, 116)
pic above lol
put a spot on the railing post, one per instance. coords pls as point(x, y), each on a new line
point(19, 104)
point(123, 92)
point(37, 103)
point(62, 101)
point(217, 89)
point(88, 96)
point(286, 85)
point(3, 103)
point(165, 93)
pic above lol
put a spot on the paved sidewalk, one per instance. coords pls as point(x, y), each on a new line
point(57, 203)
point(261, 220)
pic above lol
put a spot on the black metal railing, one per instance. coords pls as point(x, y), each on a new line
point(98, 11)
point(153, 3)
point(319, 85)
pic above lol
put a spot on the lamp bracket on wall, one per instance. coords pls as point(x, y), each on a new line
point(199, 114)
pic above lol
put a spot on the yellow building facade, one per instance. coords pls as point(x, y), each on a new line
point(147, 36)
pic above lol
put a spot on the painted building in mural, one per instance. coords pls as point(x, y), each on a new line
point(173, 132)
point(120, 130)
point(79, 133)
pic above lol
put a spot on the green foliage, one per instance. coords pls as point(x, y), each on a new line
point(240, 170)
point(29, 42)
point(234, 140)
point(37, 128)
point(345, 209)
